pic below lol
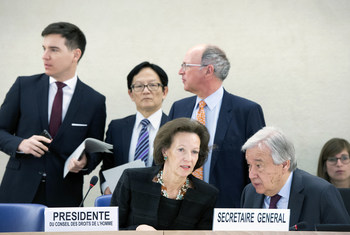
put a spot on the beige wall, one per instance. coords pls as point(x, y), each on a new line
point(291, 56)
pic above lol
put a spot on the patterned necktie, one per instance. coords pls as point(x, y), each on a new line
point(142, 147)
point(201, 118)
point(273, 201)
point(56, 112)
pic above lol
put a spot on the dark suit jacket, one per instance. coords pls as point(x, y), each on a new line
point(238, 120)
point(311, 200)
point(138, 199)
point(25, 113)
point(119, 134)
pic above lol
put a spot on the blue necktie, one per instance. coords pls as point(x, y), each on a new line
point(142, 147)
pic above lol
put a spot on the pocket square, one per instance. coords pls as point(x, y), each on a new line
point(79, 124)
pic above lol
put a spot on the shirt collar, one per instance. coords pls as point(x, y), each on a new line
point(285, 190)
point(213, 99)
point(154, 118)
point(70, 83)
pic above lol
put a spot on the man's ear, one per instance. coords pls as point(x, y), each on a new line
point(77, 54)
point(165, 92)
point(210, 69)
point(131, 95)
point(286, 165)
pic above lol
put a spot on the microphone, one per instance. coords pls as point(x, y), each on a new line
point(299, 226)
point(93, 182)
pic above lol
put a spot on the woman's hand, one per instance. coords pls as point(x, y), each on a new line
point(145, 227)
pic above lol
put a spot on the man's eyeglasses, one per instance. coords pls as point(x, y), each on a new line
point(150, 86)
point(343, 158)
point(184, 66)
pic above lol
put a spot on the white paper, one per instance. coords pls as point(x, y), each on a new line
point(89, 145)
point(112, 175)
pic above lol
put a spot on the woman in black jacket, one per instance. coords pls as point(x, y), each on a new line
point(167, 196)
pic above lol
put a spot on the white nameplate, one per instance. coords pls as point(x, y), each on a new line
point(232, 219)
point(69, 219)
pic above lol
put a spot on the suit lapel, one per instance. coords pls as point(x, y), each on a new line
point(43, 100)
point(154, 190)
point(188, 108)
point(164, 119)
point(126, 137)
point(191, 198)
point(221, 126)
point(258, 200)
point(296, 204)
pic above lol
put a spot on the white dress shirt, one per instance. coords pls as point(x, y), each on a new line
point(68, 92)
point(152, 128)
point(284, 193)
point(212, 110)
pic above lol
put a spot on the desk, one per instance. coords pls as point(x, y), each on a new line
point(249, 233)
point(179, 232)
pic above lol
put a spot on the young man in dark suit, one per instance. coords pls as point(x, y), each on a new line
point(276, 182)
point(230, 119)
point(147, 88)
point(57, 101)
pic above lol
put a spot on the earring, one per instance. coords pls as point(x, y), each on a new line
point(165, 157)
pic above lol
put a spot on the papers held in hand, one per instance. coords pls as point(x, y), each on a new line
point(112, 175)
point(89, 145)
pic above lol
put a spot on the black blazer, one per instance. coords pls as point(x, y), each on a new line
point(311, 200)
point(119, 134)
point(238, 120)
point(138, 198)
point(25, 113)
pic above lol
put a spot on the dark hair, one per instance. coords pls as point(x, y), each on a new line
point(75, 38)
point(166, 135)
point(331, 148)
point(161, 73)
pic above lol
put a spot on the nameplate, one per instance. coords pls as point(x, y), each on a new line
point(71, 219)
point(232, 219)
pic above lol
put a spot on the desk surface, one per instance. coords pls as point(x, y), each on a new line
point(249, 233)
point(179, 232)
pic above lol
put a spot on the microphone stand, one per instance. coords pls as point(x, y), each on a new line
point(81, 204)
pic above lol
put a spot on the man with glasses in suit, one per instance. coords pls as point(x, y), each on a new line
point(230, 120)
point(147, 88)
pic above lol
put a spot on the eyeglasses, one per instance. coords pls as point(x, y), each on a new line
point(184, 66)
point(150, 86)
point(343, 159)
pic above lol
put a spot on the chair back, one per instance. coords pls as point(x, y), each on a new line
point(345, 194)
point(104, 200)
point(21, 217)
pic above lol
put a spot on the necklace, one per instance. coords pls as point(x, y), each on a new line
point(182, 190)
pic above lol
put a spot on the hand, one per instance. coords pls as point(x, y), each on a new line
point(75, 166)
point(107, 191)
point(145, 227)
point(34, 145)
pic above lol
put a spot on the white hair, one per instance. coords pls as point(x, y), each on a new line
point(282, 149)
